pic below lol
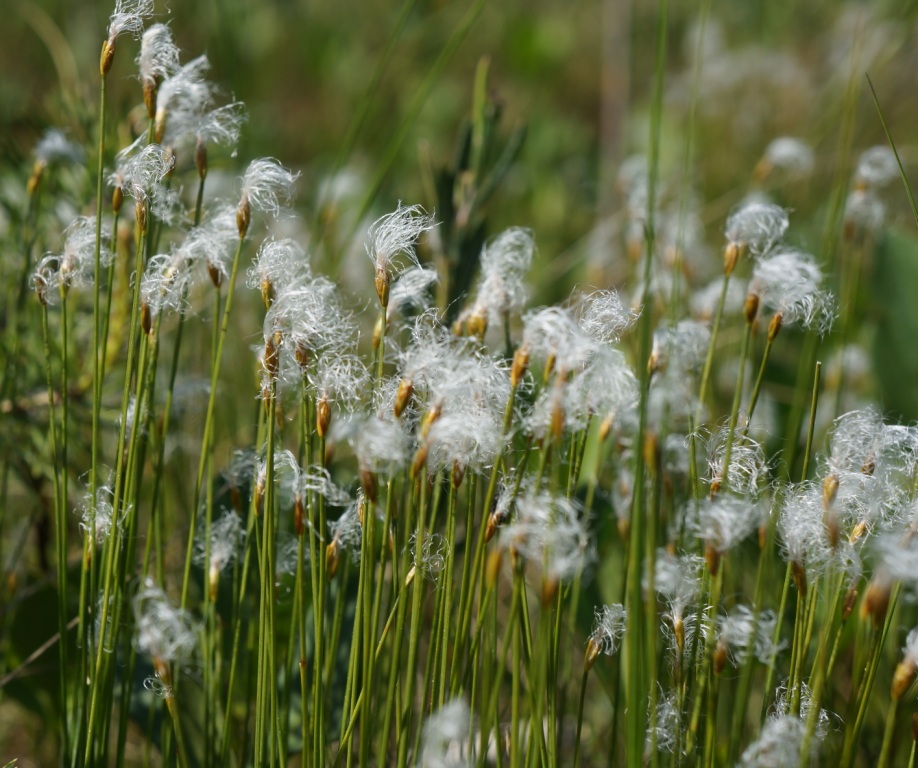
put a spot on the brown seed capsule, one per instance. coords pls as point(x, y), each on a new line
point(323, 416)
point(332, 558)
point(146, 318)
point(267, 292)
point(382, 286)
point(368, 483)
point(107, 57)
point(720, 656)
point(299, 515)
point(140, 214)
point(457, 475)
point(904, 676)
point(829, 490)
point(799, 574)
point(433, 413)
point(712, 558)
point(495, 557)
point(272, 357)
point(751, 307)
point(520, 365)
point(593, 650)
point(876, 601)
point(774, 327)
point(731, 256)
point(857, 532)
point(301, 353)
point(150, 88)
point(477, 324)
point(420, 457)
point(200, 158)
point(403, 396)
point(605, 427)
point(549, 590)
point(215, 275)
point(117, 199)
point(243, 216)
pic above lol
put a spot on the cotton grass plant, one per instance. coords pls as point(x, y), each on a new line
point(397, 531)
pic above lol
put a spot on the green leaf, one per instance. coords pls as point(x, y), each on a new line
point(894, 291)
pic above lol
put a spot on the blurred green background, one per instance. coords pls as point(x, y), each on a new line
point(577, 74)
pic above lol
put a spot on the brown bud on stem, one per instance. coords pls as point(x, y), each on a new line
point(215, 275)
point(829, 490)
point(146, 318)
point(592, 653)
point(299, 516)
point(457, 475)
point(272, 357)
point(150, 88)
point(774, 327)
point(200, 158)
point(712, 558)
point(495, 557)
point(520, 365)
point(403, 396)
point(606, 427)
point(751, 307)
point(799, 573)
point(720, 656)
point(323, 416)
point(904, 676)
point(140, 213)
point(731, 256)
point(382, 286)
point(38, 170)
point(876, 601)
point(107, 57)
point(368, 483)
point(332, 558)
point(243, 216)
point(117, 199)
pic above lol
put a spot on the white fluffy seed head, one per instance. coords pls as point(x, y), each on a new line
point(505, 264)
point(876, 167)
point(162, 631)
point(227, 534)
point(789, 154)
point(268, 187)
point(553, 334)
point(757, 226)
point(604, 317)
point(445, 737)
point(609, 625)
point(549, 532)
point(159, 55)
point(778, 745)
point(392, 238)
point(790, 282)
point(127, 18)
point(55, 147)
point(74, 266)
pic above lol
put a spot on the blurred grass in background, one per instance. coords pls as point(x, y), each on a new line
point(576, 74)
